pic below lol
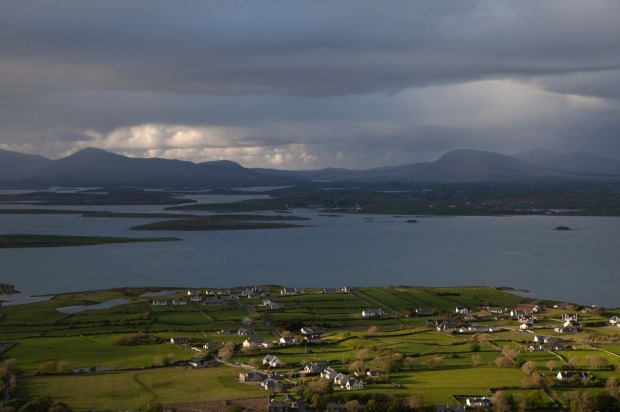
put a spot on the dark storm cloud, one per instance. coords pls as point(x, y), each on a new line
point(361, 82)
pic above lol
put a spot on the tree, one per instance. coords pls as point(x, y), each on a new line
point(411, 362)
point(529, 367)
point(415, 402)
point(500, 402)
point(362, 354)
point(476, 359)
point(357, 366)
point(597, 362)
point(551, 365)
point(353, 406)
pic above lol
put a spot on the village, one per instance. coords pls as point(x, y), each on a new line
point(278, 375)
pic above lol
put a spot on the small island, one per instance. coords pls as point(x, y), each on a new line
point(21, 241)
point(223, 222)
point(8, 289)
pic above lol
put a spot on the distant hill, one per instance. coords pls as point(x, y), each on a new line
point(97, 167)
point(580, 163)
point(14, 164)
point(464, 165)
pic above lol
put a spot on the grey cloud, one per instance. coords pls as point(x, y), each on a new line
point(359, 82)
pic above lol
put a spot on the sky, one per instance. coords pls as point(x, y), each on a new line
point(309, 84)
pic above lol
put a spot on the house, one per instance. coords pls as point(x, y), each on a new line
point(272, 361)
point(353, 384)
point(159, 302)
point(348, 289)
point(424, 312)
point(568, 376)
point(270, 384)
point(330, 290)
point(211, 301)
point(286, 403)
point(252, 376)
point(494, 309)
point(179, 341)
point(247, 321)
point(212, 345)
point(526, 326)
point(329, 373)
point(462, 310)
point(275, 306)
point(528, 309)
point(371, 313)
point(446, 327)
point(288, 291)
point(614, 321)
point(197, 362)
point(478, 402)
point(254, 343)
point(315, 367)
point(288, 340)
point(313, 330)
point(339, 379)
point(313, 338)
point(224, 332)
point(195, 298)
point(179, 302)
point(567, 317)
point(245, 332)
point(376, 374)
point(194, 292)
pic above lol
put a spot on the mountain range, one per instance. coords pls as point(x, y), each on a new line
point(98, 167)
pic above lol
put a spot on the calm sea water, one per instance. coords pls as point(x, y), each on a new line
point(523, 252)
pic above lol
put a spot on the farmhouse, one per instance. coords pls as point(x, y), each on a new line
point(568, 376)
point(353, 384)
point(247, 321)
point(462, 310)
point(272, 361)
point(179, 341)
point(211, 301)
point(424, 312)
point(252, 343)
point(288, 340)
point(179, 302)
point(288, 291)
point(329, 373)
point(478, 402)
point(315, 367)
point(252, 376)
point(245, 332)
point(371, 313)
point(159, 302)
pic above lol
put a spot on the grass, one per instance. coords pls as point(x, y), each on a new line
point(86, 339)
point(137, 389)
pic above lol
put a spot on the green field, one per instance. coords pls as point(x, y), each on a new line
point(443, 367)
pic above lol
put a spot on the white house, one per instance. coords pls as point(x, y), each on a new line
point(288, 340)
point(478, 402)
point(339, 379)
point(462, 310)
point(353, 384)
point(329, 373)
point(273, 361)
point(371, 313)
point(567, 376)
